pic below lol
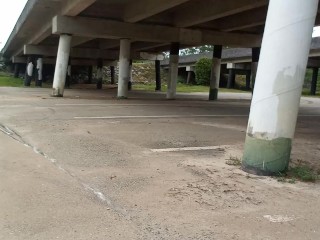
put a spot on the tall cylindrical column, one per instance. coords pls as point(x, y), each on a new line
point(99, 74)
point(112, 72)
point(124, 68)
point(60, 73)
point(314, 81)
point(39, 72)
point(173, 71)
point(254, 64)
point(215, 72)
point(158, 75)
point(231, 78)
point(275, 104)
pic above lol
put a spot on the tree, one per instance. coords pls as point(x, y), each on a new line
point(203, 71)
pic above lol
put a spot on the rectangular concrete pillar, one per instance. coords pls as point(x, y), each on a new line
point(248, 80)
point(61, 68)
point(124, 68)
point(254, 64)
point(280, 76)
point(215, 72)
point(112, 73)
point(173, 71)
point(231, 78)
point(314, 81)
point(99, 74)
point(158, 75)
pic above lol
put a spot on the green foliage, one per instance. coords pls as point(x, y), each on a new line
point(196, 50)
point(203, 71)
point(304, 173)
point(8, 81)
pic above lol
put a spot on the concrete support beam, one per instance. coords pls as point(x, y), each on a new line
point(158, 75)
point(124, 68)
point(242, 20)
point(314, 81)
point(100, 28)
point(142, 9)
point(173, 71)
point(60, 73)
point(198, 12)
point(74, 7)
point(215, 72)
point(231, 78)
point(76, 41)
point(280, 76)
point(88, 53)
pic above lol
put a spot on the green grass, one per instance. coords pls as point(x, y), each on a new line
point(303, 173)
point(8, 81)
point(182, 88)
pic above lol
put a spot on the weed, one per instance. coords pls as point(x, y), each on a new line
point(233, 161)
point(303, 173)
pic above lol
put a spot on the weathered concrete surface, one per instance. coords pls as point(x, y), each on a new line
point(109, 164)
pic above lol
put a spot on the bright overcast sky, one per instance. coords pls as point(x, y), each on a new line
point(10, 11)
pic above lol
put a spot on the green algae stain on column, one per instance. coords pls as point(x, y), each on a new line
point(266, 157)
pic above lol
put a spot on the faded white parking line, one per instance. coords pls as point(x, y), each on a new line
point(221, 147)
point(160, 116)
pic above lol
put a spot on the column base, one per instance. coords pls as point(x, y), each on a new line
point(56, 93)
point(213, 94)
point(266, 157)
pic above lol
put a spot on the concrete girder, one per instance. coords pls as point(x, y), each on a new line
point(198, 12)
point(242, 20)
point(142, 9)
point(143, 46)
point(74, 7)
point(76, 41)
point(100, 28)
point(89, 53)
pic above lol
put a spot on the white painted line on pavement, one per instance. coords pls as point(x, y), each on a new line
point(161, 116)
point(221, 147)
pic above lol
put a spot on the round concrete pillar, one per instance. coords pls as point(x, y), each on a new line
point(280, 76)
point(60, 73)
point(173, 71)
point(215, 72)
point(124, 68)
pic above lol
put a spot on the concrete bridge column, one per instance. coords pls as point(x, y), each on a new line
point(280, 76)
point(173, 70)
point(16, 70)
point(99, 74)
point(112, 72)
point(231, 78)
point(254, 65)
point(39, 67)
point(314, 81)
point(60, 73)
point(215, 72)
point(158, 75)
point(124, 68)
